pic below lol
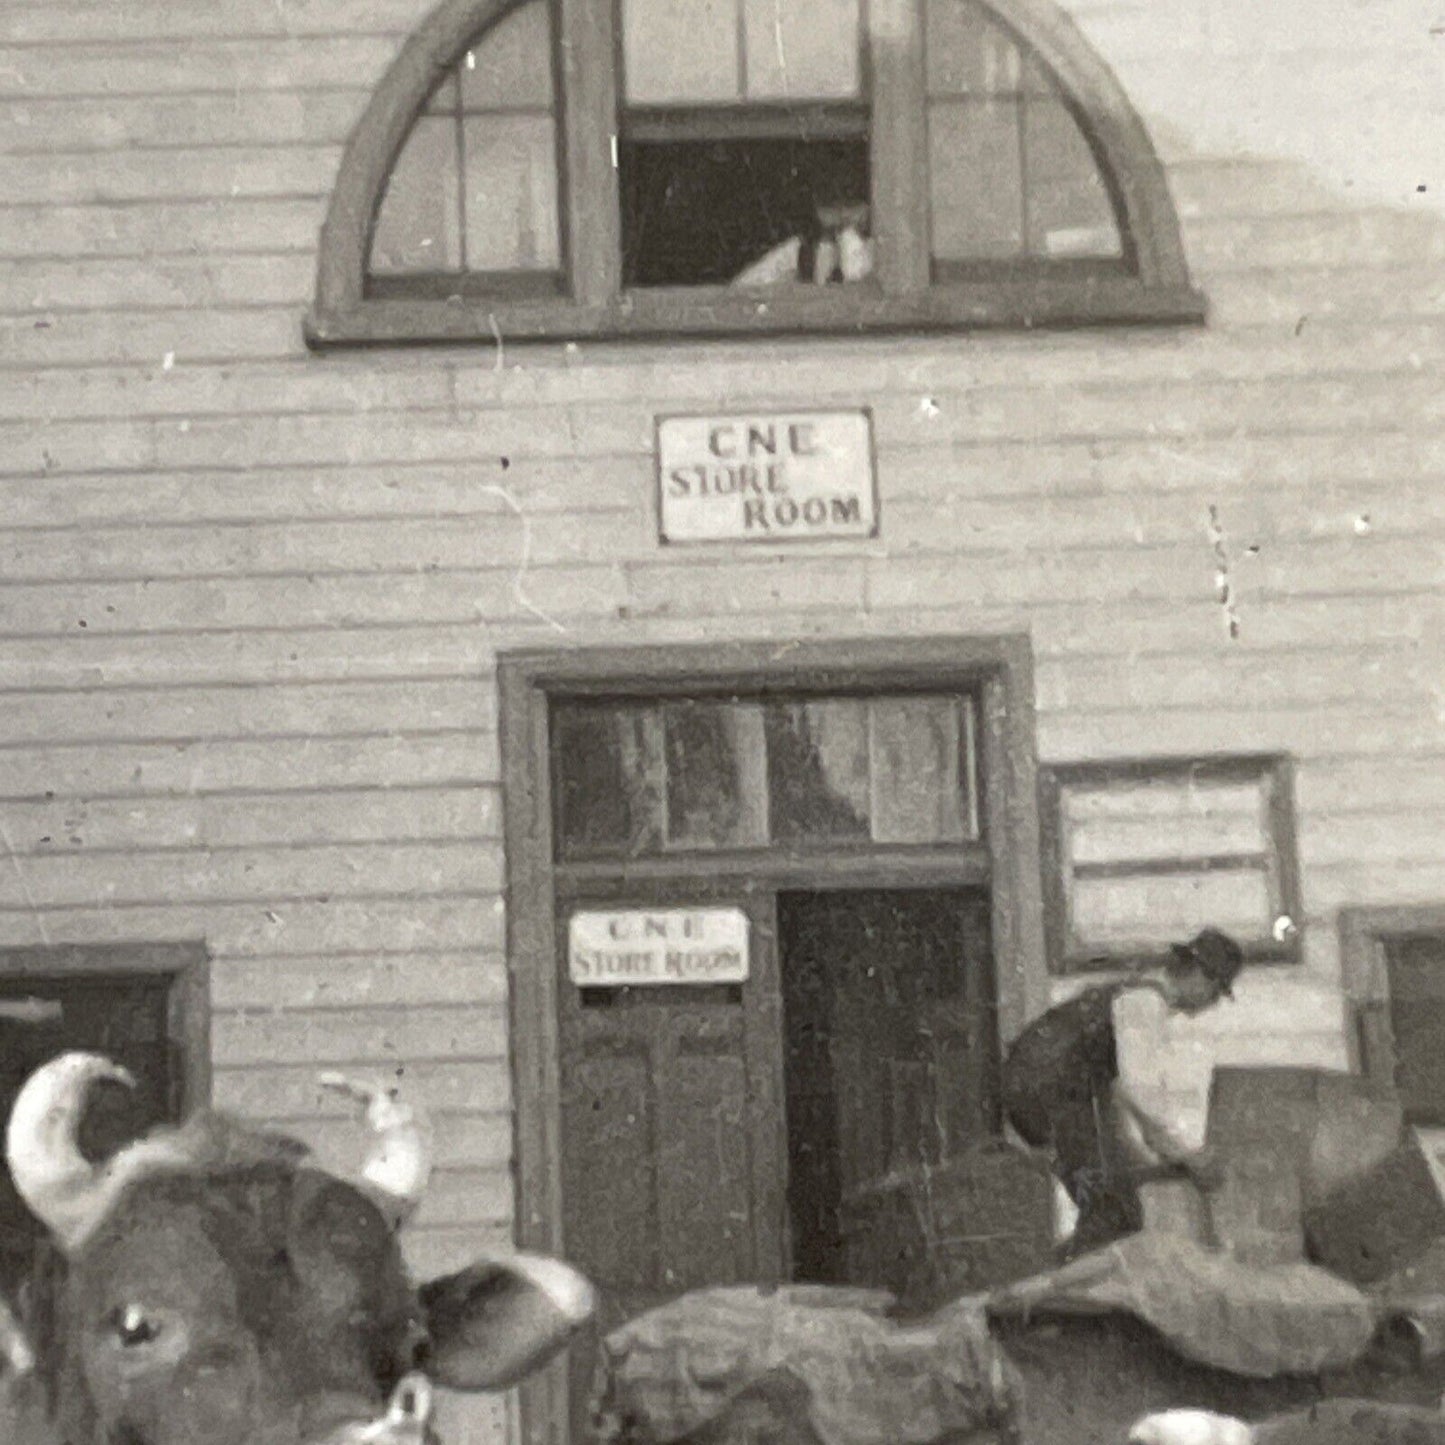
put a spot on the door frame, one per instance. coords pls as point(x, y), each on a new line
point(1000, 667)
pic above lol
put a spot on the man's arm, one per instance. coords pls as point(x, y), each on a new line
point(1140, 1014)
point(1168, 1148)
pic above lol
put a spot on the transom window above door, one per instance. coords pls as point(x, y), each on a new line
point(564, 167)
point(638, 779)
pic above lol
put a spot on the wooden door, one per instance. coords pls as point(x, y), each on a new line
point(672, 1126)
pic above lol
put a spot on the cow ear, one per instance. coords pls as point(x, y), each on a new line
point(494, 1322)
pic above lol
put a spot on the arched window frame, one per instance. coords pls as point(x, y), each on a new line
point(1157, 289)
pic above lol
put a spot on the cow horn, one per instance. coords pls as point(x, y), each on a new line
point(398, 1165)
point(63, 1189)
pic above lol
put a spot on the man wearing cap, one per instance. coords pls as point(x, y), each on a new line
point(1062, 1092)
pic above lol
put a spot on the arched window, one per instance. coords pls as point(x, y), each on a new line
point(535, 168)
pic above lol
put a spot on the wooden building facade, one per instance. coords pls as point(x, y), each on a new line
point(430, 587)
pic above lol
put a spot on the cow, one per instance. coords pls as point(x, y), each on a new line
point(213, 1284)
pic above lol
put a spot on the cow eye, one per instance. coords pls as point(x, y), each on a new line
point(134, 1327)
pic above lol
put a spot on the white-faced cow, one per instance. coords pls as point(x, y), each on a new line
point(214, 1285)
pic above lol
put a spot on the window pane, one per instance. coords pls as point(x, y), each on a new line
point(1070, 213)
point(418, 227)
point(1154, 910)
point(680, 53)
point(802, 49)
point(818, 770)
point(511, 67)
point(918, 782)
point(511, 193)
point(716, 775)
point(1137, 822)
point(975, 179)
point(609, 771)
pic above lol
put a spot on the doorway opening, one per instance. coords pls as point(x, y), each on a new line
point(890, 1057)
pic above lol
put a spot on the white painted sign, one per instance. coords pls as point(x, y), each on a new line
point(658, 945)
point(766, 477)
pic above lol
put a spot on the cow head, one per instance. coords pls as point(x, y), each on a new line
point(217, 1285)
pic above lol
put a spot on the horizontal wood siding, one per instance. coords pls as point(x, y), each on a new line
point(251, 598)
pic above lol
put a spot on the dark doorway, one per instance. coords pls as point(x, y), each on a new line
point(890, 1055)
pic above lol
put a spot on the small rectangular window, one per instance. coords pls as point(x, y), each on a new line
point(803, 49)
point(675, 53)
point(731, 52)
point(139, 1007)
point(1147, 853)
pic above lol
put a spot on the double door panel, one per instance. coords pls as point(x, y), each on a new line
point(720, 1132)
point(672, 1124)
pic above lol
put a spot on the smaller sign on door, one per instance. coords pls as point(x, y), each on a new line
point(766, 477)
point(657, 945)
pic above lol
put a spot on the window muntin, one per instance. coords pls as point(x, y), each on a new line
point(1078, 224)
point(817, 771)
point(1147, 853)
